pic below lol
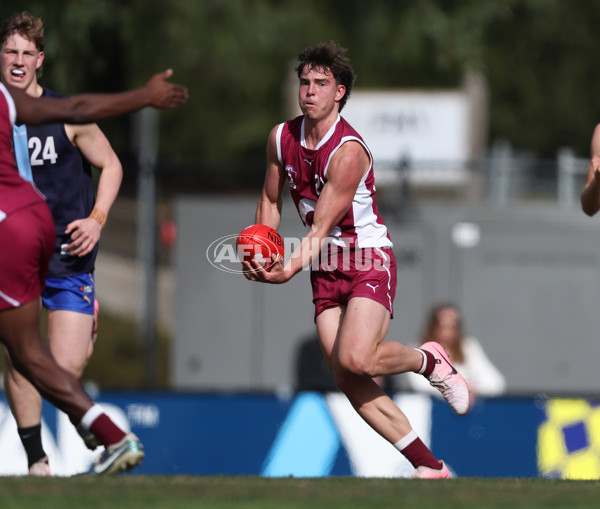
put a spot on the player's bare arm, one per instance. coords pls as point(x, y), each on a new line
point(590, 196)
point(268, 210)
point(87, 108)
point(269, 206)
point(346, 169)
point(96, 149)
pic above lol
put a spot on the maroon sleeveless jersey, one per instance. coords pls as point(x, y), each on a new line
point(14, 191)
point(306, 171)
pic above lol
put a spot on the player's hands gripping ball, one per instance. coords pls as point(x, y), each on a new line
point(260, 242)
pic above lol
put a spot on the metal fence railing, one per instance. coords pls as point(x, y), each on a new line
point(501, 178)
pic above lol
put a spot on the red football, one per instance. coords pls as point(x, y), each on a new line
point(259, 242)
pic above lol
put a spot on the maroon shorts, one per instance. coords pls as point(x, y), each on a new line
point(27, 239)
point(347, 273)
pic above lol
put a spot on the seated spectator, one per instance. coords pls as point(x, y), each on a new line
point(444, 325)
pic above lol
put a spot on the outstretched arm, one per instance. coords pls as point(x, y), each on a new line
point(88, 108)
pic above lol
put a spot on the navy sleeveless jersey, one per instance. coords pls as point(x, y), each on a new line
point(63, 175)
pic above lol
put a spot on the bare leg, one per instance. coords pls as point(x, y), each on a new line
point(23, 398)
point(70, 339)
point(19, 331)
point(70, 342)
point(351, 339)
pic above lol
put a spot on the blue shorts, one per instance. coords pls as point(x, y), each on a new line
point(71, 293)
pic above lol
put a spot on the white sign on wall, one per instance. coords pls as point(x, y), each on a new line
point(428, 131)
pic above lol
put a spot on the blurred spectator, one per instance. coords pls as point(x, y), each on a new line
point(444, 325)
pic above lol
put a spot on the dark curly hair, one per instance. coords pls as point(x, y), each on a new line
point(329, 56)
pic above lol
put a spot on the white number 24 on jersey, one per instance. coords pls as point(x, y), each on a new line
point(40, 153)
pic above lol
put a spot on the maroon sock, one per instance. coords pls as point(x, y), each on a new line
point(106, 431)
point(430, 363)
point(419, 455)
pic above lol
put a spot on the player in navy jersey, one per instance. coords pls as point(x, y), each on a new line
point(57, 157)
point(329, 169)
point(27, 239)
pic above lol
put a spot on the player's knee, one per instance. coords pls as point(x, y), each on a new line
point(20, 358)
point(26, 367)
point(357, 364)
point(75, 367)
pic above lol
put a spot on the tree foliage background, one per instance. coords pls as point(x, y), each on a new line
point(538, 58)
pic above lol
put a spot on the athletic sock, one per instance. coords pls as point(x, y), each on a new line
point(101, 426)
point(428, 363)
point(31, 438)
point(415, 451)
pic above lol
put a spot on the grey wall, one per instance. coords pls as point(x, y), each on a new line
point(230, 333)
point(529, 288)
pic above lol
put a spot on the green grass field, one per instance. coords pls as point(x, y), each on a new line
point(179, 492)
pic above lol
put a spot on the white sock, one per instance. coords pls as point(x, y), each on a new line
point(91, 415)
point(424, 366)
point(406, 440)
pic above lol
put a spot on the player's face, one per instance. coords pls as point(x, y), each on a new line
point(19, 62)
point(318, 93)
